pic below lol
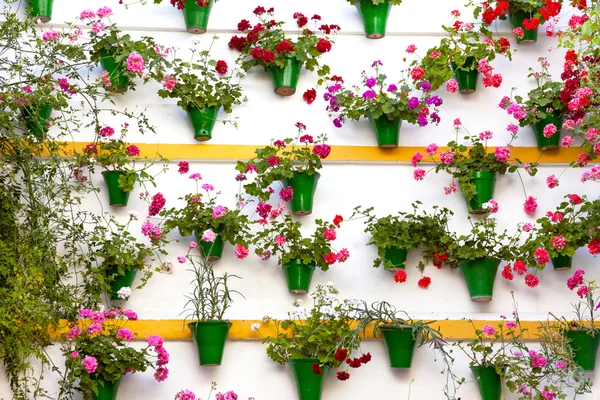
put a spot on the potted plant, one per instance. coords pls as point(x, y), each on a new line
point(385, 105)
point(40, 10)
point(37, 104)
point(396, 235)
point(478, 255)
point(292, 162)
point(195, 12)
point(298, 255)
point(206, 306)
point(525, 15)
point(558, 235)
point(267, 45)
point(321, 340)
point(465, 54)
point(121, 57)
point(202, 86)
point(543, 111)
point(212, 224)
point(374, 14)
point(97, 353)
point(474, 167)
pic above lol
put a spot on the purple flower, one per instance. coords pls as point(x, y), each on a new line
point(240, 177)
point(392, 88)
point(413, 103)
point(371, 82)
point(434, 100)
point(376, 63)
point(337, 122)
point(334, 88)
point(435, 118)
point(369, 94)
point(425, 86)
point(422, 120)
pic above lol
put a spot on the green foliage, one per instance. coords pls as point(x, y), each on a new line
point(316, 334)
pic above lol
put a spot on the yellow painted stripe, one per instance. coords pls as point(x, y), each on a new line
point(241, 329)
point(214, 152)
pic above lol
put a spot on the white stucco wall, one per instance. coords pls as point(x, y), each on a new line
point(388, 187)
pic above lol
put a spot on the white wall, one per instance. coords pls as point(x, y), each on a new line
point(387, 187)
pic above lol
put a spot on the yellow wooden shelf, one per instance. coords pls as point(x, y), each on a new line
point(215, 152)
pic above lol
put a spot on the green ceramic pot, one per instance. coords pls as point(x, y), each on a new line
point(41, 9)
point(467, 76)
point(374, 16)
point(396, 257)
point(516, 20)
point(196, 17)
point(209, 338)
point(304, 186)
point(480, 275)
point(117, 196)
point(553, 142)
point(308, 383)
point(212, 250)
point(203, 121)
point(585, 348)
point(285, 79)
point(36, 119)
point(484, 182)
point(298, 275)
point(119, 281)
point(115, 70)
point(489, 382)
point(562, 263)
point(400, 344)
point(387, 131)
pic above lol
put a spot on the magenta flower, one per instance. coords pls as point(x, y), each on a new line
point(183, 167)
point(208, 187)
point(287, 194)
point(418, 157)
point(530, 206)
point(131, 315)
point(330, 234)
point(488, 330)
point(196, 176)
point(549, 130)
point(161, 374)
point(322, 150)
point(107, 131)
point(218, 212)
point(241, 252)
point(74, 331)
point(343, 255)
point(135, 63)
point(452, 86)
point(447, 157)
point(369, 94)
point(559, 242)
point(98, 27)
point(94, 329)
point(419, 174)
point(431, 149)
point(75, 354)
point(85, 14)
point(90, 363)
point(169, 82)
point(510, 325)
point(158, 202)
point(541, 256)
point(104, 12)
point(280, 240)
point(155, 341)
point(193, 245)
point(567, 141)
point(181, 258)
point(185, 395)
point(125, 334)
point(50, 35)
point(502, 153)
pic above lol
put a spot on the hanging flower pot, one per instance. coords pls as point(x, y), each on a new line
point(484, 182)
point(374, 16)
point(396, 257)
point(41, 9)
point(196, 17)
point(106, 390)
point(480, 275)
point(516, 19)
point(203, 120)
point(468, 76)
point(488, 381)
point(585, 348)
point(36, 118)
point(298, 275)
point(117, 196)
point(308, 383)
point(119, 281)
point(212, 250)
point(304, 186)
point(387, 131)
point(285, 79)
point(553, 142)
point(118, 79)
point(400, 345)
point(209, 338)
point(561, 263)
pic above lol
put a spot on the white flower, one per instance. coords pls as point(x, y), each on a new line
point(133, 215)
point(92, 160)
point(486, 206)
point(124, 293)
point(297, 302)
point(254, 327)
point(354, 302)
point(330, 284)
point(297, 311)
point(327, 310)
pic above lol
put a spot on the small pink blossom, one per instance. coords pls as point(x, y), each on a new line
point(98, 27)
point(486, 135)
point(241, 252)
point(457, 122)
point(125, 334)
point(50, 35)
point(280, 240)
point(451, 188)
point(193, 245)
point(452, 86)
point(502, 153)
point(567, 141)
point(549, 130)
point(90, 363)
point(181, 258)
point(169, 82)
point(106, 79)
point(135, 63)
point(209, 236)
point(530, 206)
point(559, 242)
point(488, 330)
point(104, 12)
point(419, 174)
point(518, 32)
point(87, 14)
point(411, 48)
point(431, 149)
point(330, 234)
point(447, 157)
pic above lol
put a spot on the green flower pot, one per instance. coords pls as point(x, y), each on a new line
point(562, 263)
point(36, 118)
point(553, 142)
point(488, 381)
point(209, 338)
point(203, 121)
point(467, 78)
point(400, 345)
point(119, 281)
point(298, 275)
point(106, 390)
point(117, 197)
point(212, 250)
point(115, 71)
point(304, 186)
point(387, 131)
point(285, 79)
point(396, 257)
point(484, 182)
point(585, 348)
point(480, 275)
point(516, 20)
point(196, 17)
point(41, 9)
point(374, 17)
point(308, 383)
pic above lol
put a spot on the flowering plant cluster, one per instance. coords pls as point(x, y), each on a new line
point(409, 99)
point(137, 58)
point(189, 395)
point(266, 44)
point(96, 348)
point(200, 82)
point(323, 333)
point(282, 160)
point(585, 309)
point(558, 233)
point(203, 216)
point(281, 237)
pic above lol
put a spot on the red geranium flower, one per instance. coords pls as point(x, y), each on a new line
point(531, 24)
point(317, 369)
point(310, 95)
point(531, 280)
point(504, 44)
point(284, 47)
point(507, 273)
point(323, 45)
point(221, 67)
point(330, 258)
point(424, 282)
point(340, 354)
point(259, 10)
point(244, 25)
point(268, 56)
point(338, 220)
point(400, 276)
point(343, 375)
point(365, 358)
point(353, 363)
